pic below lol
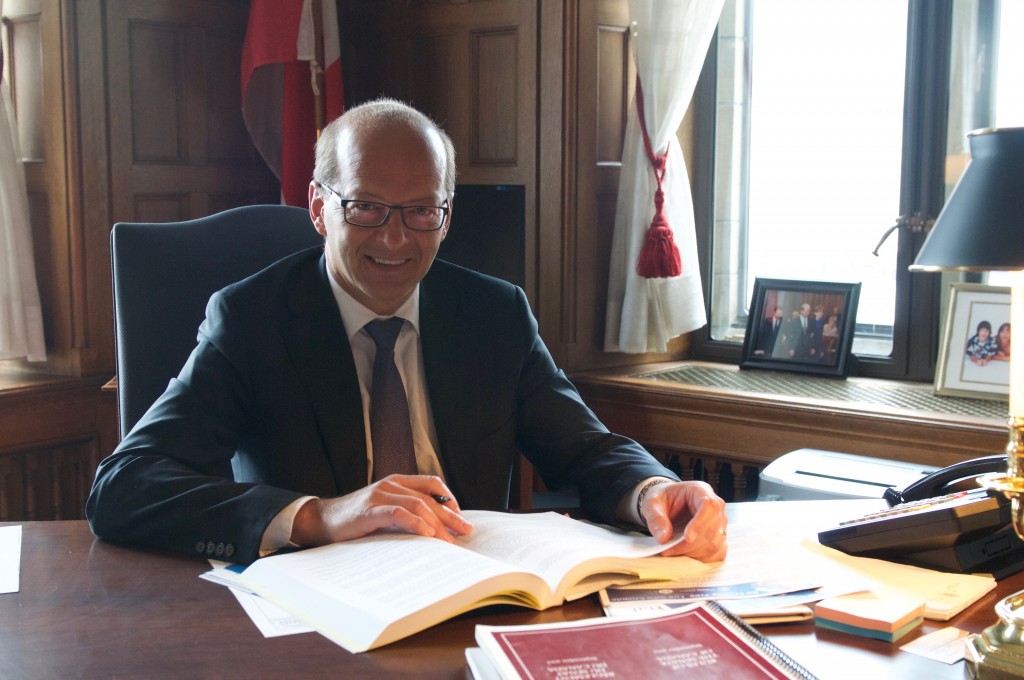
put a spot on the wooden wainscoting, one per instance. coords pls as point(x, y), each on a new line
point(53, 433)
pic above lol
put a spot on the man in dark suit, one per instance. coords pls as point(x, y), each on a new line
point(808, 345)
point(769, 333)
point(267, 437)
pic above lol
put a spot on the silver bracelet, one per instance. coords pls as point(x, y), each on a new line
point(643, 492)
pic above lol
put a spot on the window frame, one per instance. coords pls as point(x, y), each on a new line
point(922, 191)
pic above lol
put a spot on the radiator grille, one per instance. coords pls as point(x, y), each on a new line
point(904, 396)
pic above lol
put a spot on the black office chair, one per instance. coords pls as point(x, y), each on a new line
point(164, 274)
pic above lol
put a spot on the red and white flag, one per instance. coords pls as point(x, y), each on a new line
point(278, 99)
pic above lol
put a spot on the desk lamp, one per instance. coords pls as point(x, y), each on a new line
point(981, 228)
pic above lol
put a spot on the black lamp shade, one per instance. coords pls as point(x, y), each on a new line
point(981, 227)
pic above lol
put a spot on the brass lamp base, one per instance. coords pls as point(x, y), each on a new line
point(998, 651)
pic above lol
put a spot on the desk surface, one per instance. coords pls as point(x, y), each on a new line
point(91, 609)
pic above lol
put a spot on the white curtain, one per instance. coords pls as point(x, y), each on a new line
point(21, 317)
point(670, 39)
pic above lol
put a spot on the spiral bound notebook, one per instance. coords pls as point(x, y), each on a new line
point(701, 641)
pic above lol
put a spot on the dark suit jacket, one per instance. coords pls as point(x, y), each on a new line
point(808, 346)
point(268, 408)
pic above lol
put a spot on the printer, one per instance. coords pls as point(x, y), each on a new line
point(813, 474)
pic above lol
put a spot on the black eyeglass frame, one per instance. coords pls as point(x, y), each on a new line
point(343, 202)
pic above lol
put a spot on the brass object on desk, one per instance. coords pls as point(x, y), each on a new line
point(1012, 483)
point(998, 651)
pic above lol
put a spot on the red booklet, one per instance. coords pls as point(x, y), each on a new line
point(702, 641)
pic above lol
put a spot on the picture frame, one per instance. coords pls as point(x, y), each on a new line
point(963, 370)
point(791, 327)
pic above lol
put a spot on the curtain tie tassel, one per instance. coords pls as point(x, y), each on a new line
point(659, 256)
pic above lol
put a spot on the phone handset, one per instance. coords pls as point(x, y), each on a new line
point(938, 482)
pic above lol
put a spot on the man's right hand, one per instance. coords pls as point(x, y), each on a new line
point(405, 502)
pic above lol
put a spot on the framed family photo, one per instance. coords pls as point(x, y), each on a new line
point(801, 326)
point(974, 357)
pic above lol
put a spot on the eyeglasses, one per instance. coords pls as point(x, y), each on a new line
point(371, 215)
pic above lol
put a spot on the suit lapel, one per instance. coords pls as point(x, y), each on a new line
point(319, 348)
point(453, 376)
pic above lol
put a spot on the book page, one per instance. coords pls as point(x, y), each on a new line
point(374, 590)
point(391, 573)
point(760, 564)
point(552, 545)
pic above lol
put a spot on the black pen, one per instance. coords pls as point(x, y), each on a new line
point(439, 498)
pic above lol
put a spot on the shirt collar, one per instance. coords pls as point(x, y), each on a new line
point(355, 315)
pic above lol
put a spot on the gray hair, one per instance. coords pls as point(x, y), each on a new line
point(377, 113)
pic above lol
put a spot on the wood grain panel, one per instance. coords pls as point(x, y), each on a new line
point(195, 145)
point(494, 108)
point(431, 77)
point(227, 139)
point(49, 482)
point(53, 431)
point(218, 202)
point(156, 64)
point(613, 92)
point(161, 207)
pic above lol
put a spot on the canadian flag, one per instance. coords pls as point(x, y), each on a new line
point(279, 87)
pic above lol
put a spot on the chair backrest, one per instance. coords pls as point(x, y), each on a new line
point(164, 274)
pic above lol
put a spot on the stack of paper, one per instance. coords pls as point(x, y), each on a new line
point(884, 615)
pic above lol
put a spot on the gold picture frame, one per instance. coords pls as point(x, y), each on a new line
point(968, 365)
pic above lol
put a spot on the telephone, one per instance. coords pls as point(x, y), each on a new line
point(942, 521)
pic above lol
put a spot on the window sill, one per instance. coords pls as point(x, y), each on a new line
point(756, 416)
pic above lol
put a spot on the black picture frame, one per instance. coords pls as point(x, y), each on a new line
point(788, 345)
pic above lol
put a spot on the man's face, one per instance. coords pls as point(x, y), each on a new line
point(805, 310)
point(381, 267)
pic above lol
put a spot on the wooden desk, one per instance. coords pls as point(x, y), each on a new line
point(91, 609)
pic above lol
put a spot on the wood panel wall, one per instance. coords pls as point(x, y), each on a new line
point(532, 93)
point(128, 110)
point(54, 435)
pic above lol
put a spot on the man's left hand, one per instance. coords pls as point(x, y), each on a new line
point(692, 507)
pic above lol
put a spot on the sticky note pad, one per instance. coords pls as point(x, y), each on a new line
point(882, 615)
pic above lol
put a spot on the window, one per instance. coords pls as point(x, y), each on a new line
point(828, 120)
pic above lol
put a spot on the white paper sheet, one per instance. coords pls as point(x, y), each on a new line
point(270, 619)
point(10, 559)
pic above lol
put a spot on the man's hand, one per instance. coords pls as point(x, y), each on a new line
point(405, 502)
point(692, 507)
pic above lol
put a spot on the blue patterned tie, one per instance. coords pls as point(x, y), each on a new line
point(390, 428)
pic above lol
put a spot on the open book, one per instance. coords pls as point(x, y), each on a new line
point(372, 591)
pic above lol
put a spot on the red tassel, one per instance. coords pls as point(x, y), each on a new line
point(659, 257)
